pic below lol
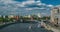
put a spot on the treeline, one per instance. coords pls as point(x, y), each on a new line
point(7, 19)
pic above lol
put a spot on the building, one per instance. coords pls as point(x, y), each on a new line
point(55, 15)
point(10, 16)
point(39, 15)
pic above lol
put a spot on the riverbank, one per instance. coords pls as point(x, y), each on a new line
point(6, 24)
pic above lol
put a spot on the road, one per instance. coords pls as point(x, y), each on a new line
point(50, 26)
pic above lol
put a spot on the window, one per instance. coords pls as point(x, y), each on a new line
point(57, 20)
point(58, 10)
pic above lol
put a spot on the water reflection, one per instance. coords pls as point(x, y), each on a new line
point(30, 27)
point(39, 25)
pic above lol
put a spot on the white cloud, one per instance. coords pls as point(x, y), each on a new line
point(24, 3)
point(29, 9)
point(50, 5)
point(31, 2)
point(11, 5)
point(7, 1)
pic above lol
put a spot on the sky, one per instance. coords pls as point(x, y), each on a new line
point(26, 7)
point(52, 2)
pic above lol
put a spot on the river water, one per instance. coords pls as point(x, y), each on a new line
point(24, 27)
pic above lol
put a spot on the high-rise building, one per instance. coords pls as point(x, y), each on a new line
point(55, 15)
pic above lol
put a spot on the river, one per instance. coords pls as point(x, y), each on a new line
point(23, 27)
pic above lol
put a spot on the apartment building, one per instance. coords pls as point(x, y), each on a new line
point(55, 15)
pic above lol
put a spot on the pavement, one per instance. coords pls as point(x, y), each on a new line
point(51, 27)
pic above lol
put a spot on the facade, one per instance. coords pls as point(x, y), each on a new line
point(10, 16)
point(39, 15)
point(55, 15)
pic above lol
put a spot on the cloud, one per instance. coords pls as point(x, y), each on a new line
point(50, 5)
point(29, 9)
point(24, 3)
point(7, 1)
point(28, 2)
point(15, 7)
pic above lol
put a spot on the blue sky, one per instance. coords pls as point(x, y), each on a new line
point(53, 2)
point(26, 7)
